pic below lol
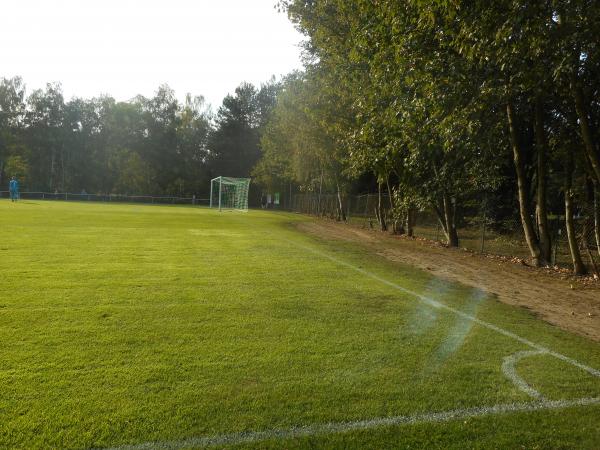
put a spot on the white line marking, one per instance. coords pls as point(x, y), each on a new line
point(437, 304)
point(510, 371)
point(249, 437)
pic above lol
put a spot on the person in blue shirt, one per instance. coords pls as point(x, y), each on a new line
point(13, 188)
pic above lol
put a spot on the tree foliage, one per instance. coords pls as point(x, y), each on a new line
point(151, 146)
point(445, 103)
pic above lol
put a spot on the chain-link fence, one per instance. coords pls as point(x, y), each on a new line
point(84, 197)
point(479, 229)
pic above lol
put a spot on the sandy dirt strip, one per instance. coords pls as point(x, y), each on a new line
point(558, 299)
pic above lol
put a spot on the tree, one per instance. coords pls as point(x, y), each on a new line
point(297, 147)
point(12, 112)
point(44, 122)
point(192, 144)
point(234, 145)
point(432, 98)
point(17, 166)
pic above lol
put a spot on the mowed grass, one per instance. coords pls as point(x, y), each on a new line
point(126, 324)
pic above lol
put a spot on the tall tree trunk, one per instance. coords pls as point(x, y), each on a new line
point(410, 221)
point(320, 193)
point(52, 169)
point(584, 125)
point(578, 266)
point(62, 168)
point(524, 208)
point(380, 214)
point(449, 214)
point(438, 207)
point(597, 216)
point(342, 213)
point(393, 211)
point(542, 175)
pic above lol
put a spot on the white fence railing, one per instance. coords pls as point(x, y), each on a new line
point(148, 199)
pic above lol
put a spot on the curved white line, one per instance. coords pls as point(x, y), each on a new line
point(509, 370)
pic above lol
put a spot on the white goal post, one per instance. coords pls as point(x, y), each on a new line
point(229, 193)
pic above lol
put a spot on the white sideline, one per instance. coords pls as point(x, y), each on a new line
point(249, 437)
point(437, 304)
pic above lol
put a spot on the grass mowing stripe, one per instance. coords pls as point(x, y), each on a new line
point(437, 304)
point(344, 427)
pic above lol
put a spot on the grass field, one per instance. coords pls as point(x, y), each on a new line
point(135, 327)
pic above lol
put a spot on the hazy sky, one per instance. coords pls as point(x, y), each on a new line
point(129, 47)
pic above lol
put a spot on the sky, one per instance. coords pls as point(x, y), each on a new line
point(129, 47)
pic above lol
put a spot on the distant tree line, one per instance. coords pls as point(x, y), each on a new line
point(152, 146)
point(445, 104)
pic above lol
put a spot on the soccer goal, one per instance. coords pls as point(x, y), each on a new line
point(229, 193)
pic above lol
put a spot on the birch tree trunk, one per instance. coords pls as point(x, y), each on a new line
point(524, 208)
point(320, 192)
point(380, 215)
point(410, 221)
point(449, 214)
point(578, 266)
point(597, 216)
point(542, 176)
point(342, 213)
point(53, 157)
point(393, 211)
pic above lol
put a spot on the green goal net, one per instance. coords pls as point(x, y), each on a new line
point(229, 193)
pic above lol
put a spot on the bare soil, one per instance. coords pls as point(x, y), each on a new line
point(567, 302)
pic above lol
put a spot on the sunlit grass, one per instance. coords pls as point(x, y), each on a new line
point(123, 324)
